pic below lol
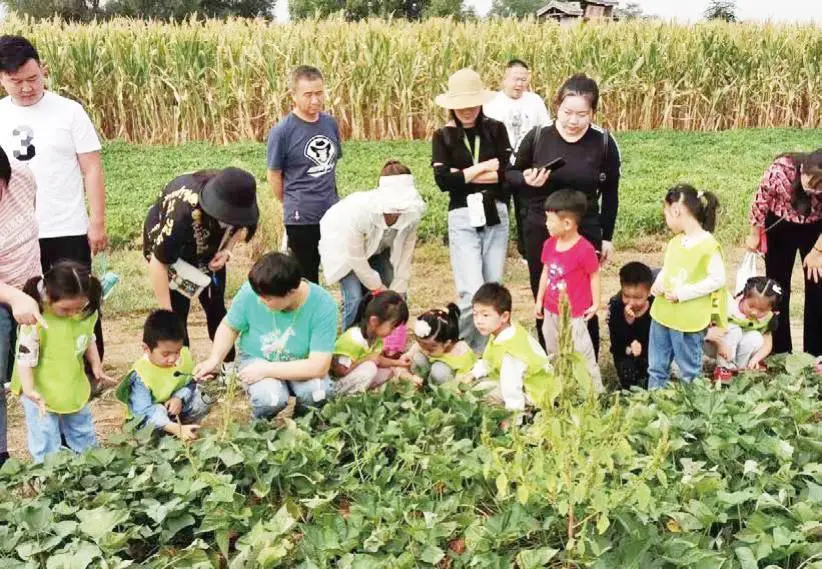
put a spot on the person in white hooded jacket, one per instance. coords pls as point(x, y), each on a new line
point(367, 239)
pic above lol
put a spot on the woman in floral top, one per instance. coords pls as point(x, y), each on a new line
point(786, 218)
point(198, 218)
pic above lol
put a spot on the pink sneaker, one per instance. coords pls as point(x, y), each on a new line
point(722, 375)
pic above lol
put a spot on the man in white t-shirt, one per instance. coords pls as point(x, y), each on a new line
point(54, 137)
point(519, 110)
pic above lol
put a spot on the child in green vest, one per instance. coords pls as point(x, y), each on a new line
point(516, 368)
point(358, 362)
point(748, 338)
point(51, 357)
point(159, 389)
point(439, 355)
point(689, 289)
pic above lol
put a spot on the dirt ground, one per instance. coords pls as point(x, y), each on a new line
point(432, 286)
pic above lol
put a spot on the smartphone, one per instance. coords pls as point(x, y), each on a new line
point(553, 165)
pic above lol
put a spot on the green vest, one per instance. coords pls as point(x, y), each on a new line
point(540, 383)
point(749, 325)
point(352, 344)
point(160, 381)
point(461, 364)
point(60, 375)
point(689, 266)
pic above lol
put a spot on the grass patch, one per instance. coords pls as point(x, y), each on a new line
point(729, 163)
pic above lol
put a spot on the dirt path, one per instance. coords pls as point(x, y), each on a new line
point(432, 286)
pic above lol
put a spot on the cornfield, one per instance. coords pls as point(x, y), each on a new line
point(224, 81)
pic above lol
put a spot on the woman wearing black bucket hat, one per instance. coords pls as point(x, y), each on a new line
point(188, 236)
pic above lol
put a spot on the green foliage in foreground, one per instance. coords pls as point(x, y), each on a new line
point(730, 163)
point(698, 477)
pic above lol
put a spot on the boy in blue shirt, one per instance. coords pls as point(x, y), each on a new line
point(285, 328)
point(159, 389)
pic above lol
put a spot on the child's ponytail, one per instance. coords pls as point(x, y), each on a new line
point(33, 288)
point(702, 205)
point(439, 325)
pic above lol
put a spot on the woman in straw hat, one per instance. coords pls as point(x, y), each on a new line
point(469, 156)
point(367, 239)
point(197, 219)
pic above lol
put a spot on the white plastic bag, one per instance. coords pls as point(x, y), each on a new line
point(747, 269)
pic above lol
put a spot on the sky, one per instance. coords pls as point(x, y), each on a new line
point(689, 10)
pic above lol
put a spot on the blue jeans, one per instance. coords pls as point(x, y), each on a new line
point(44, 432)
point(7, 327)
point(269, 396)
point(477, 257)
point(353, 291)
point(667, 345)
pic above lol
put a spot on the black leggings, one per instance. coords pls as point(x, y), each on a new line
point(212, 299)
point(785, 239)
point(535, 234)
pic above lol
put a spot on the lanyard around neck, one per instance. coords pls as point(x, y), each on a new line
point(475, 152)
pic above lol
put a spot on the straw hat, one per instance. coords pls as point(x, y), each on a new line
point(465, 90)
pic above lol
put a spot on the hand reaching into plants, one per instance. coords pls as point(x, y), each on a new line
point(205, 370)
point(755, 363)
point(185, 433)
point(174, 406)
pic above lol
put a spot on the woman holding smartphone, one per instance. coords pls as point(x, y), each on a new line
point(586, 159)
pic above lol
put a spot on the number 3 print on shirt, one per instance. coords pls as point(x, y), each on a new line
point(26, 136)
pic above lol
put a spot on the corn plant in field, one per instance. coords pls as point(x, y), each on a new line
point(227, 80)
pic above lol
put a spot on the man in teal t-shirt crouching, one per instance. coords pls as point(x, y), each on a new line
point(285, 328)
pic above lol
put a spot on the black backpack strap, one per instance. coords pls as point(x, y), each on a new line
point(535, 144)
point(603, 167)
point(603, 176)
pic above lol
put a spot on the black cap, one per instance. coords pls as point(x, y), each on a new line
point(231, 197)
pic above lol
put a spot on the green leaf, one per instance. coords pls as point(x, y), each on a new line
point(535, 558)
point(77, 556)
point(432, 555)
point(33, 547)
point(231, 456)
point(502, 486)
point(98, 522)
point(64, 528)
point(746, 558)
point(814, 492)
point(174, 524)
point(36, 518)
point(796, 363)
